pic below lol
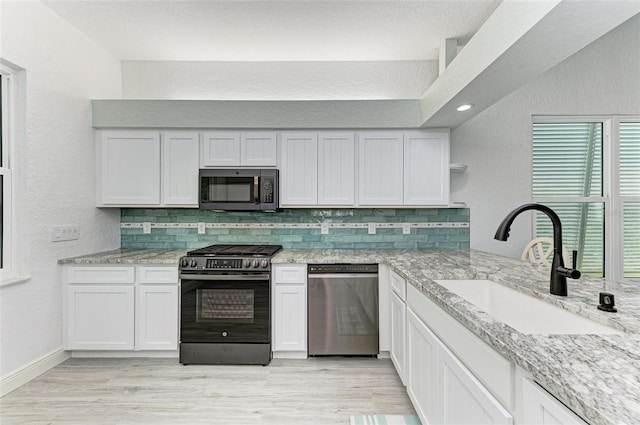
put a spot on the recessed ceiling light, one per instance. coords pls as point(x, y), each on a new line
point(464, 107)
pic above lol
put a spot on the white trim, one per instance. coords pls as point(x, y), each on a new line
point(90, 354)
point(26, 373)
point(9, 103)
point(318, 225)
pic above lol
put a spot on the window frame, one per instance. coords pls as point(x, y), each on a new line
point(613, 238)
point(7, 267)
point(14, 130)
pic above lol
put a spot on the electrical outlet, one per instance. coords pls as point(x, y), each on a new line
point(201, 228)
point(146, 227)
point(372, 228)
point(65, 233)
point(324, 228)
point(406, 228)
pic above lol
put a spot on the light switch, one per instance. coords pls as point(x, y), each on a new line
point(146, 227)
point(372, 228)
point(406, 228)
point(324, 228)
point(201, 228)
point(65, 233)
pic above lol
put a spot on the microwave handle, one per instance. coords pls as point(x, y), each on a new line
point(256, 189)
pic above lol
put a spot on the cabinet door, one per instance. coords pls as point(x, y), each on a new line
point(336, 169)
point(100, 317)
point(220, 149)
point(180, 152)
point(381, 168)
point(541, 408)
point(465, 399)
point(426, 168)
point(290, 317)
point(422, 370)
point(258, 149)
point(299, 171)
point(398, 329)
point(156, 324)
point(129, 164)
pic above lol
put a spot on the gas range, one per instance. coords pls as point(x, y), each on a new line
point(229, 258)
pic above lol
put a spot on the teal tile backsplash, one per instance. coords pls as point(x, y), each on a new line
point(445, 228)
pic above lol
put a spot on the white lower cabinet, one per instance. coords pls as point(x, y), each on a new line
point(441, 388)
point(156, 325)
point(422, 371)
point(289, 310)
point(465, 399)
point(541, 408)
point(121, 308)
point(398, 326)
point(100, 317)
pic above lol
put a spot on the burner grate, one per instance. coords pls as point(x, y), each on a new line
point(237, 250)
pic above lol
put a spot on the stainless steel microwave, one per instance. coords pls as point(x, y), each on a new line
point(239, 189)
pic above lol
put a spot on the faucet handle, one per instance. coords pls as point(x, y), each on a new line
point(572, 272)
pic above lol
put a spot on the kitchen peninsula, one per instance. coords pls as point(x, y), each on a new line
point(597, 376)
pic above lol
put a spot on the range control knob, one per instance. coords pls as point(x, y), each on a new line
point(184, 262)
point(255, 264)
point(193, 263)
point(246, 263)
point(264, 264)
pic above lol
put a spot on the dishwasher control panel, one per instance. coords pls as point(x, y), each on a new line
point(342, 268)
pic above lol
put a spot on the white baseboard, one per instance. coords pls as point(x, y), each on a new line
point(123, 354)
point(289, 354)
point(21, 376)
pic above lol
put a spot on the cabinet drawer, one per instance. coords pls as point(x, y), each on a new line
point(156, 275)
point(495, 371)
point(398, 285)
point(100, 275)
point(291, 274)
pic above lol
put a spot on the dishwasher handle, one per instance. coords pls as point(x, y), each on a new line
point(322, 269)
point(343, 276)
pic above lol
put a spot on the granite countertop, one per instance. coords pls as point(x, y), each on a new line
point(597, 376)
point(151, 256)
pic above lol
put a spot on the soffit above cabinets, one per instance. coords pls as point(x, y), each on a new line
point(515, 43)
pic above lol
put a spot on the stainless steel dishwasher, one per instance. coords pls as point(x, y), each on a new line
point(343, 309)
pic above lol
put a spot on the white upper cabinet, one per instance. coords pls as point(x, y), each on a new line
point(258, 149)
point(128, 168)
point(239, 149)
point(143, 168)
point(381, 168)
point(299, 170)
point(426, 168)
point(336, 168)
point(220, 149)
point(180, 151)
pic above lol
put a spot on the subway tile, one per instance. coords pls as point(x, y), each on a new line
point(305, 237)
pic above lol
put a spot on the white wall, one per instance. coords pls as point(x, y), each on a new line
point(277, 80)
point(601, 79)
point(64, 70)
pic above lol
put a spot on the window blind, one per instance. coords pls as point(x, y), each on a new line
point(567, 163)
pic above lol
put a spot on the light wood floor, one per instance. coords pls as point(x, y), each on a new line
point(317, 391)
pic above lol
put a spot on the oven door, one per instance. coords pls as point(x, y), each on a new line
point(225, 308)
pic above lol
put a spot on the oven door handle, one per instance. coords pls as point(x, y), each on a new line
point(264, 276)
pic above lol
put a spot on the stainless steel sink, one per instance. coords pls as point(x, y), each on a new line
point(522, 312)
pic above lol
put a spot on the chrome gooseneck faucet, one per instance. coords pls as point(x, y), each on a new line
point(559, 273)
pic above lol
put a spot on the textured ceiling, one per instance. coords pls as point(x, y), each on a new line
point(275, 30)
